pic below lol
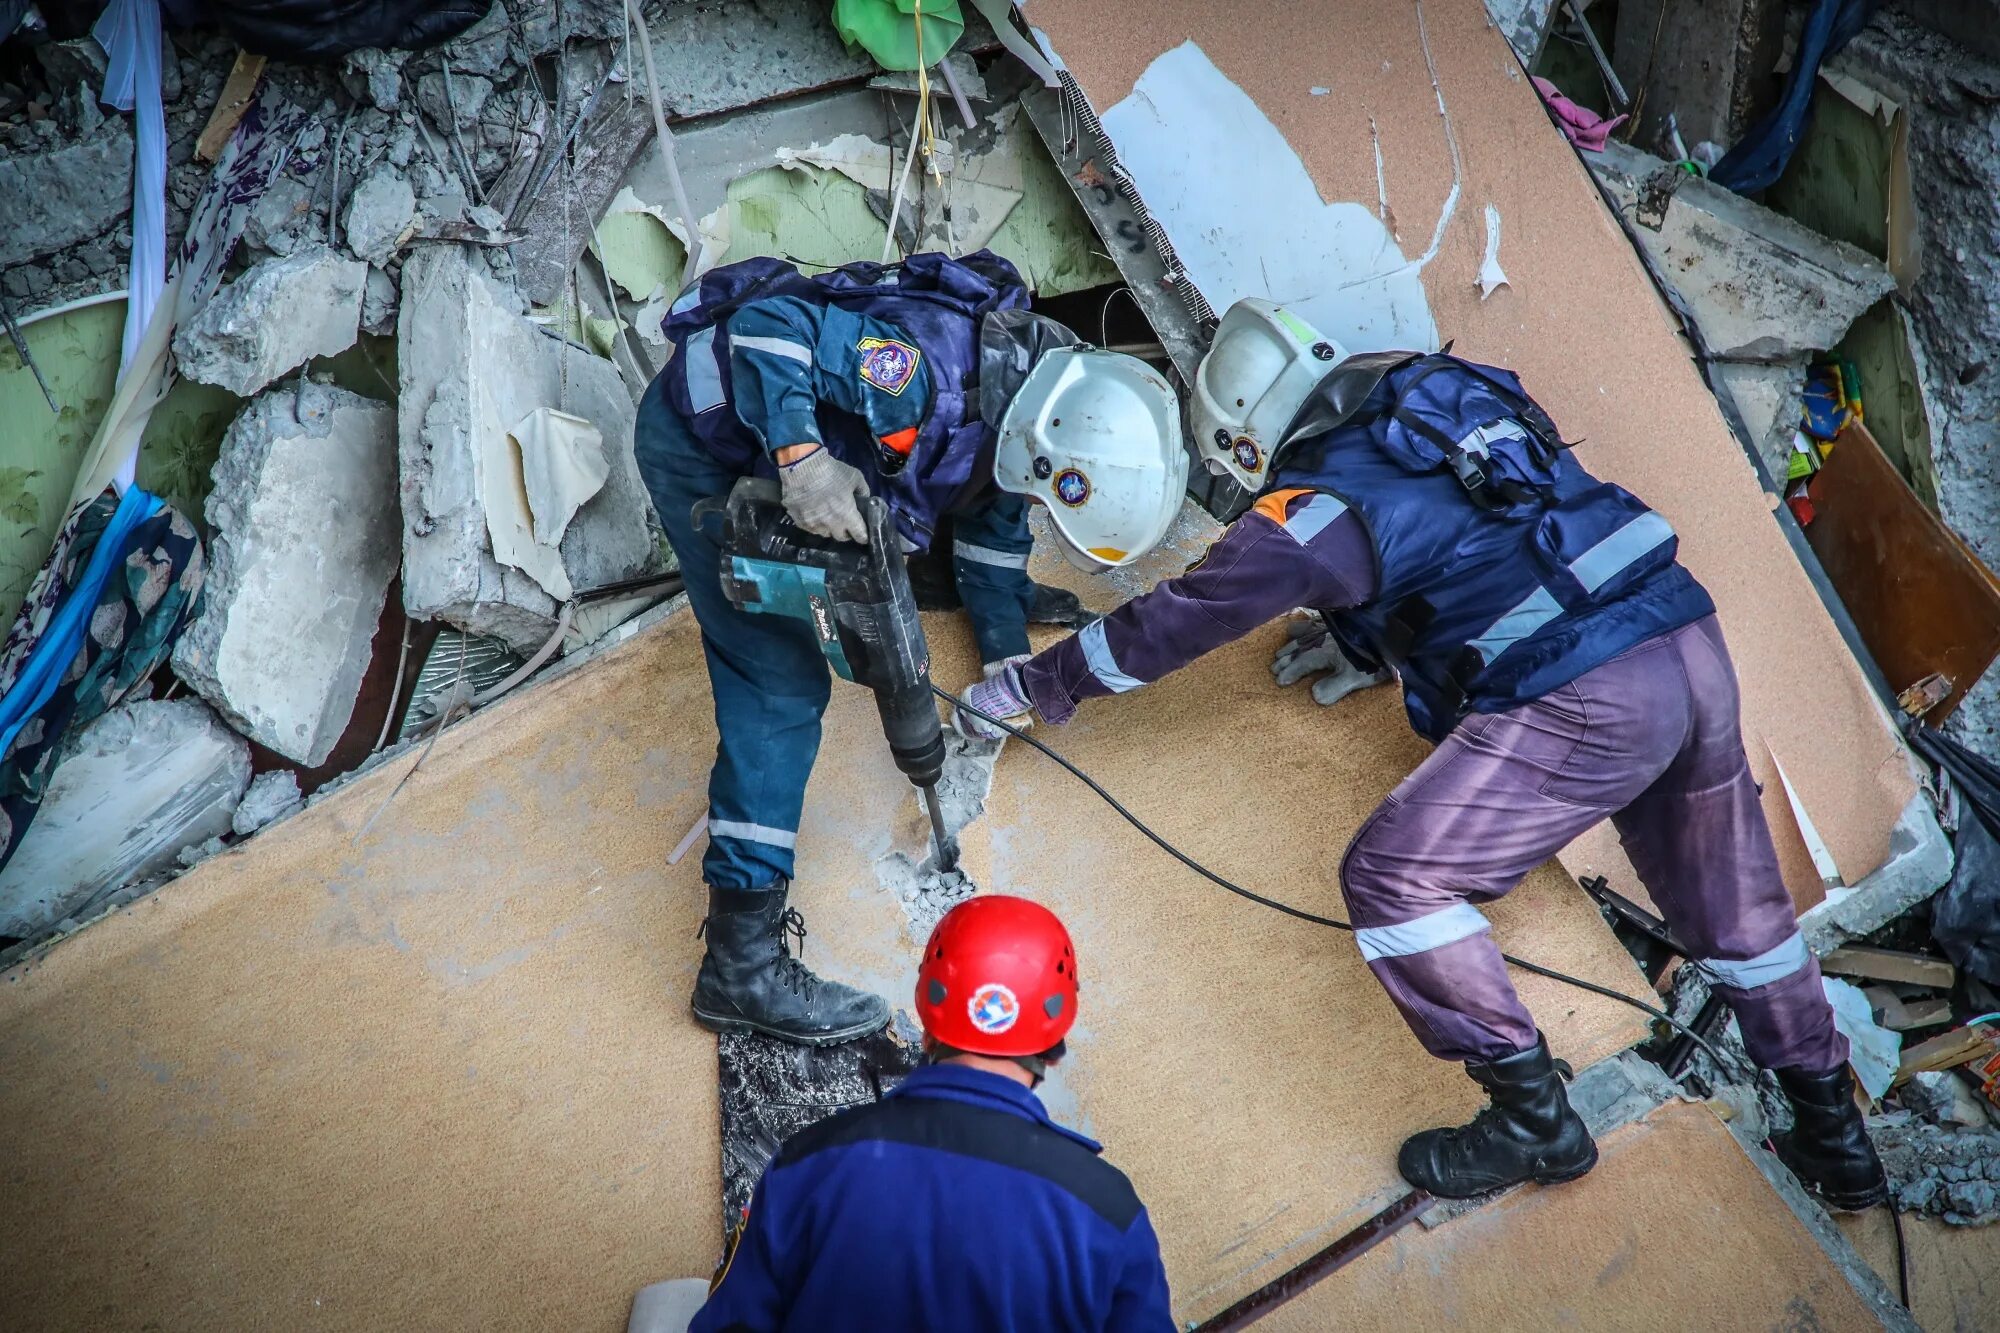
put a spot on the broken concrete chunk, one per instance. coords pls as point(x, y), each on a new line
point(277, 316)
point(378, 216)
point(1768, 399)
point(1524, 23)
point(271, 797)
point(376, 75)
point(50, 201)
point(459, 103)
point(481, 48)
point(471, 370)
point(305, 520)
point(378, 303)
point(136, 786)
point(1760, 286)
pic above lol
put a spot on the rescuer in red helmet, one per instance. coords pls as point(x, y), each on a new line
point(954, 1202)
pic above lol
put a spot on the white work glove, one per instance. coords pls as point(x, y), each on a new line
point(822, 495)
point(1003, 694)
point(1309, 649)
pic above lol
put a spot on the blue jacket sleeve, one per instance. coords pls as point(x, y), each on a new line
point(754, 1291)
point(788, 357)
point(1139, 1303)
point(989, 561)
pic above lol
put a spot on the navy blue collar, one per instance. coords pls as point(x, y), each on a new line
point(976, 1087)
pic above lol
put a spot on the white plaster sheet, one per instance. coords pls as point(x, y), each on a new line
point(1246, 218)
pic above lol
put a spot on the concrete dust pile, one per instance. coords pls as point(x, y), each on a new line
point(926, 892)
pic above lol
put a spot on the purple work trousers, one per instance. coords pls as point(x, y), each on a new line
point(1650, 740)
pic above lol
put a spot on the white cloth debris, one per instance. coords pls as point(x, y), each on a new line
point(129, 32)
point(1873, 1050)
point(562, 466)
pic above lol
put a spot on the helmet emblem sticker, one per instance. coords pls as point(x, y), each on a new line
point(887, 364)
point(993, 1008)
point(1072, 487)
point(1248, 456)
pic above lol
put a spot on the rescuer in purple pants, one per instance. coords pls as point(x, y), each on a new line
point(1552, 710)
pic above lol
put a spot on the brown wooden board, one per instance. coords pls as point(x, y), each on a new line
point(1578, 318)
point(1922, 602)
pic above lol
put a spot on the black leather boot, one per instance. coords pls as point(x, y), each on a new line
point(1828, 1148)
point(1529, 1132)
point(750, 982)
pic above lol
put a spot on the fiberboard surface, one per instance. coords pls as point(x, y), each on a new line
point(1673, 1230)
point(1347, 85)
point(444, 1076)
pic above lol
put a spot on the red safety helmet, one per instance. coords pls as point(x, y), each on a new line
point(998, 978)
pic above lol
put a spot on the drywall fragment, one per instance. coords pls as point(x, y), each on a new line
point(271, 797)
point(273, 319)
point(136, 786)
point(510, 523)
point(50, 201)
point(379, 214)
point(1490, 275)
point(562, 466)
point(1246, 219)
point(1758, 285)
point(304, 545)
point(471, 369)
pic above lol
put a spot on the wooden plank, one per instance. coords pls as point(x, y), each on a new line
point(1915, 969)
point(1900, 1015)
point(1921, 600)
point(1958, 1047)
point(237, 90)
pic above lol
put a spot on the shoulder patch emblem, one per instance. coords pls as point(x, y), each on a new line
point(887, 364)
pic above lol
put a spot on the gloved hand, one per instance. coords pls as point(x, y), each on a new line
point(1002, 694)
point(821, 494)
point(1309, 649)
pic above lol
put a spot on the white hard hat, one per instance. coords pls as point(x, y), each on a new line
point(1096, 437)
point(1258, 371)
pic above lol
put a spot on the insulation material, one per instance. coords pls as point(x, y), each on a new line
point(1673, 1229)
point(562, 466)
point(1579, 319)
point(1954, 1271)
point(498, 971)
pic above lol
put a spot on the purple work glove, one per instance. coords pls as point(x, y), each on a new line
point(1002, 694)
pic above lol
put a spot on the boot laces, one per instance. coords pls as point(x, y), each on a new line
point(792, 971)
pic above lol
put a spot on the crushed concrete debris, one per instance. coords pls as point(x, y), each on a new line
point(278, 315)
point(379, 214)
point(304, 520)
point(925, 892)
point(136, 786)
point(1951, 1174)
point(52, 200)
point(378, 303)
point(471, 369)
point(271, 797)
point(1760, 286)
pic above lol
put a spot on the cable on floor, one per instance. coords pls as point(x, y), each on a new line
point(1300, 913)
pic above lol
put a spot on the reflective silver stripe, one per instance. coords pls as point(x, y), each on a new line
point(775, 837)
point(1434, 931)
point(986, 555)
point(784, 347)
point(1604, 561)
point(1774, 964)
point(704, 377)
point(1097, 654)
point(1313, 516)
point(1535, 610)
point(1476, 441)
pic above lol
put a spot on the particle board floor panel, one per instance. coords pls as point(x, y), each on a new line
point(1954, 1271)
point(442, 1075)
point(1675, 1229)
point(1347, 85)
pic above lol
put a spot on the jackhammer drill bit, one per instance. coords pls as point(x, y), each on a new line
point(947, 846)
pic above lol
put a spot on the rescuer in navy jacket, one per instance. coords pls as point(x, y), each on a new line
point(954, 1204)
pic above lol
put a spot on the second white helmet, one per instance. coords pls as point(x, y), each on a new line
point(1096, 437)
point(1260, 367)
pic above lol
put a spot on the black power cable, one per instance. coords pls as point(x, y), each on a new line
point(1300, 913)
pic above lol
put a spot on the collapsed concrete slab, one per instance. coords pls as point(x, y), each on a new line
point(471, 370)
point(50, 201)
point(277, 316)
point(139, 784)
point(1767, 398)
point(1760, 286)
point(379, 214)
point(305, 543)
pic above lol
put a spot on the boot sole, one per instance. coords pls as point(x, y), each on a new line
point(718, 1024)
point(1560, 1177)
point(1539, 1177)
point(1850, 1203)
